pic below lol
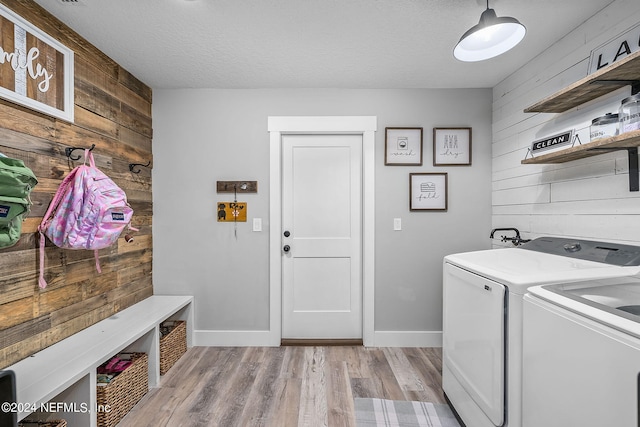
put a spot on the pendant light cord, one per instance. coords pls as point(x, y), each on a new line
point(235, 211)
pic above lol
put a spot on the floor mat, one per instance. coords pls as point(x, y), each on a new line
point(398, 413)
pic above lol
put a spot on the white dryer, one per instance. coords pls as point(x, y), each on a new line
point(482, 317)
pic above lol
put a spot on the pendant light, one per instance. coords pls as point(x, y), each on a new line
point(492, 36)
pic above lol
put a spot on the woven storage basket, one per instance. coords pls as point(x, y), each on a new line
point(50, 423)
point(173, 344)
point(117, 398)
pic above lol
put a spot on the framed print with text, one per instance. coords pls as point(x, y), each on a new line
point(36, 70)
point(403, 146)
point(428, 192)
point(451, 146)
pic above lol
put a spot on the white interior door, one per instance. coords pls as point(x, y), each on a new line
point(322, 236)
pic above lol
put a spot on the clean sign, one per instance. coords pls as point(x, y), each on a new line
point(554, 141)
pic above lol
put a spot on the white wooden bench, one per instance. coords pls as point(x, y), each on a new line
point(66, 371)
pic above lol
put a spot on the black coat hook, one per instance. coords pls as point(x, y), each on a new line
point(70, 150)
point(133, 165)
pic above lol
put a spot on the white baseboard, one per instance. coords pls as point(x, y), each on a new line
point(206, 338)
point(408, 339)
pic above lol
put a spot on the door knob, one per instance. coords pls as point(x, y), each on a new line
point(287, 233)
point(286, 248)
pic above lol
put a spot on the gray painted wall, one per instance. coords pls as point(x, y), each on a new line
point(202, 136)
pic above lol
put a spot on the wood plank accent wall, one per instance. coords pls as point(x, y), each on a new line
point(582, 199)
point(112, 111)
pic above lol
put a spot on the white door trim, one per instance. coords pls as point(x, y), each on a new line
point(361, 125)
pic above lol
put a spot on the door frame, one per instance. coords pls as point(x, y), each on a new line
point(310, 125)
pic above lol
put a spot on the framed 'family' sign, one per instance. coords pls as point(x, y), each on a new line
point(428, 192)
point(451, 146)
point(403, 146)
point(36, 70)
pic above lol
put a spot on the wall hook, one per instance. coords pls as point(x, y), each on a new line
point(69, 150)
point(133, 165)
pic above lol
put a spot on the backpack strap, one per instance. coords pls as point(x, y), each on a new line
point(52, 207)
point(95, 253)
point(41, 282)
point(88, 154)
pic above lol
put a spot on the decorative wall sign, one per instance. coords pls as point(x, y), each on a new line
point(403, 146)
point(237, 186)
point(35, 70)
point(553, 141)
point(451, 146)
point(232, 212)
point(615, 49)
point(428, 192)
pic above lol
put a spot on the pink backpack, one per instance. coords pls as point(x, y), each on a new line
point(89, 211)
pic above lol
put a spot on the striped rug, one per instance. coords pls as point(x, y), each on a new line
point(397, 413)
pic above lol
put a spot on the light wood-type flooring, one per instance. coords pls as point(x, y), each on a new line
point(285, 386)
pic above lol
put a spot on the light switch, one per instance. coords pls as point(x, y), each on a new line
point(257, 224)
point(397, 224)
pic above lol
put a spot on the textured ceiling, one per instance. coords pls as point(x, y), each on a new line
point(311, 43)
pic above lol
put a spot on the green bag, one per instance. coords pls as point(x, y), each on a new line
point(16, 183)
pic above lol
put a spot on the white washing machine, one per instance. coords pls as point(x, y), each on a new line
point(581, 354)
point(482, 317)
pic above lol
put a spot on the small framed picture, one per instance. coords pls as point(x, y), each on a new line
point(403, 146)
point(451, 146)
point(428, 192)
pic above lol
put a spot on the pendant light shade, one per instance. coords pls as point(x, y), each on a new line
point(492, 36)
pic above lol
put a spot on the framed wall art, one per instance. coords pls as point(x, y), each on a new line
point(403, 146)
point(428, 192)
point(232, 212)
point(36, 70)
point(451, 146)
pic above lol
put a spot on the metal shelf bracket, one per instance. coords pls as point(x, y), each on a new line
point(634, 174)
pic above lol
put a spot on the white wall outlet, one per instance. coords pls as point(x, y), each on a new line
point(257, 224)
point(397, 224)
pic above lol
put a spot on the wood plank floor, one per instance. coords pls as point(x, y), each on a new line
point(285, 386)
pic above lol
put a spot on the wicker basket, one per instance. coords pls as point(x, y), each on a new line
point(50, 423)
point(173, 344)
point(116, 398)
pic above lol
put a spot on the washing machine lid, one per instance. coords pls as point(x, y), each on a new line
point(522, 267)
point(614, 302)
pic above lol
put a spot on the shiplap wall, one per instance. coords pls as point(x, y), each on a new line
point(587, 198)
point(112, 111)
